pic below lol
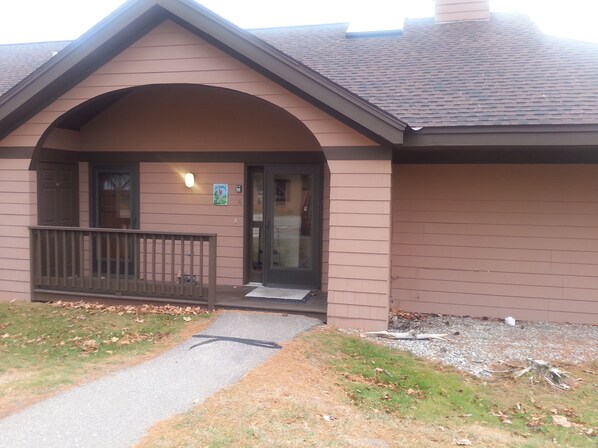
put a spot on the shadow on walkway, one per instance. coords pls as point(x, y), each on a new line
point(252, 342)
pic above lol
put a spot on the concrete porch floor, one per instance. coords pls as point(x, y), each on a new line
point(233, 297)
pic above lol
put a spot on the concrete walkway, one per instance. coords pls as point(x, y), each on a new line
point(116, 411)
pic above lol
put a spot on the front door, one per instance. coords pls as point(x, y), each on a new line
point(115, 205)
point(284, 226)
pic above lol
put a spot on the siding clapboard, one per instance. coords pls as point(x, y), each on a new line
point(359, 258)
point(497, 240)
point(18, 204)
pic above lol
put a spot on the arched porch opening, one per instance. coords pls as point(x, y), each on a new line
point(126, 153)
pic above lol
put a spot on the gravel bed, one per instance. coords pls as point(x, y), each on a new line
point(480, 345)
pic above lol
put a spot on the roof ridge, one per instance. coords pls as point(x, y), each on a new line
point(290, 27)
point(37, 42)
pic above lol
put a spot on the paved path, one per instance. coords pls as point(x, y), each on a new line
point(116, 411)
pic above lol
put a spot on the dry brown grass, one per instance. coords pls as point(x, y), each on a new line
point(285, 403)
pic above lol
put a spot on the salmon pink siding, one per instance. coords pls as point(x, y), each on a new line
point(497, 240)
point(360, 228)
point(169, 54)
point(18, 205)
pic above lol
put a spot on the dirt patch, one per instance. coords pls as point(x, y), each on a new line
point(295, 400)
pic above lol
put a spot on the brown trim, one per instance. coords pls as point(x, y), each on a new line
point(357, 153)
point(489, 155)
point(495, 136)
point(247, 157)
point(24, 152)
point(134, 19)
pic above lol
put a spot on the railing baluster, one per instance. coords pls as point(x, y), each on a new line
point(154, 265)
point(201, 244)
point(117, 237)
point(191, 273)
point(172, 266)
point(108, 263)
point(126, 279)
point(81, 239)
point(73, 260)
point(99, 260)
point(56, 261)
point(183, 278)
point(39, 234)
point(163, 263)
point(144, 262)
point(136, 262)
point(212, 277)
point(90, 254)
point(64, 256)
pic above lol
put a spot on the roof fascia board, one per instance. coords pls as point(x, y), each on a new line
point(503, 136)
point(114, 33)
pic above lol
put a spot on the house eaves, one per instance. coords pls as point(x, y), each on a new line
point(137, 17)
point(502, 136)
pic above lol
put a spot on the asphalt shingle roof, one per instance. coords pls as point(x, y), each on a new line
point(19, 60)
point(503, 71)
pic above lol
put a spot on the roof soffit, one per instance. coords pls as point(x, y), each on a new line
point(137, 17)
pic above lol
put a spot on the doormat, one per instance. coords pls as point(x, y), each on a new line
point(296, 295)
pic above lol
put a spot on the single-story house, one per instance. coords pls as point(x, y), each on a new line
point(168, 155)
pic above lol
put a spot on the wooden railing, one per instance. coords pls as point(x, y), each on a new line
point(124, 263)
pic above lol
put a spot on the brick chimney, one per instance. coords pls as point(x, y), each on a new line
point(461, 10)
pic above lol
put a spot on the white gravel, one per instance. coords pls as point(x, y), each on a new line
point(479, 345)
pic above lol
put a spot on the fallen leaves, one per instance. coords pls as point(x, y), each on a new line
point(561, 420)
point(84, 335)
point(90, 345)
point(121, 310)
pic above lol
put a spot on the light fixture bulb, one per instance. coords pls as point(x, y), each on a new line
point(189, 180)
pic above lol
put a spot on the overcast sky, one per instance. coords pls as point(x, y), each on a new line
point(43, 20)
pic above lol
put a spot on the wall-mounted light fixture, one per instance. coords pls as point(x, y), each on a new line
point(189, 180)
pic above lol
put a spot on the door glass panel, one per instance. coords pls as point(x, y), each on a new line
point(115, 196)
point(114, 200)
point(257, 226)
point(292, 226)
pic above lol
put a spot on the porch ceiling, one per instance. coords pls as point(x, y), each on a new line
point(178, 117)
point(86, 112)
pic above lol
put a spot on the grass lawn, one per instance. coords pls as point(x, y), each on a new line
point(45, 348)
point(327, 389)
